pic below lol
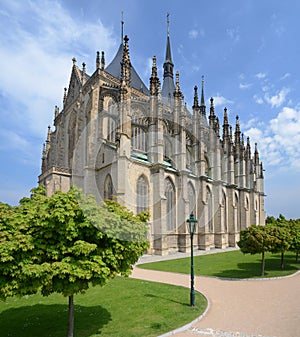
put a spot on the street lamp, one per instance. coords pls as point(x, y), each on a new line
point(192, 229)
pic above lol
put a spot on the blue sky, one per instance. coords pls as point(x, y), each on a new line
point(247, 50)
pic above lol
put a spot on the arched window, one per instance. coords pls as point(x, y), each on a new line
point(209, 209)
point(108, 188)
point(207, 168)
point(167, 149)
point(192, 199)
point(111, 129)
point(109, 123)
point(142, 194)
point(224, 219)
point(138, 139)
point(171, 200)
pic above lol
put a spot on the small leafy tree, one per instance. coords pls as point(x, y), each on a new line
point(294, 228)
point(65, 243)
point(256, 240)
point(281, 237)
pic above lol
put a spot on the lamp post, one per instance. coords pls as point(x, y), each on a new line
point(192, 229)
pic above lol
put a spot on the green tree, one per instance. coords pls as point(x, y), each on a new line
point(294, 228)
point(281, 238)
point(65, 243)
point(256, 240)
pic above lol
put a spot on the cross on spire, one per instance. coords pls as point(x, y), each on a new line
point(168, 24)
point(122, 27)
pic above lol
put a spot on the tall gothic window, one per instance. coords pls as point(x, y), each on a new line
point(109, 124)
point(192, 199)
point(209, 209)
point(171, 203)
point(142, 194)
point(224, 213)
point(138, 139)
point(108, 188)
point(111, 129)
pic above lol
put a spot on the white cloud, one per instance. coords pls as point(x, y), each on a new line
point(258, 99)
point(245, 85)
point(277, 100)
point(221, 100)
point(233, 34)
point(40, 40)
point(193, 34)
point(261, 75)
point(286, 75)
point(279, 140)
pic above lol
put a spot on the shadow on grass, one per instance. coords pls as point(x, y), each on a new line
point(253, 270)
point(52, 320)
point(167, 299)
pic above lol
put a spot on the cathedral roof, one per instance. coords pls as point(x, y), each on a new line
point(114, 68)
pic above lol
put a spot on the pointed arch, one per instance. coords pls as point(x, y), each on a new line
point(224, 212)
point(108, 188)
point(209, 205)
point(170, 204)
point(236, 212)
point(142, 190)
point(191, 198)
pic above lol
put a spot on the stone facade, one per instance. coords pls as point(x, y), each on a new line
point(115, 137)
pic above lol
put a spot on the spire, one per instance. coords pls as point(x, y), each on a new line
point(126, 64)
point(122, 28)
point(196, 103)
point(65, 95)
point(83, 77)
point(202, 93)
point(177, 85)
point(243, 147)
point(225, 126)
point(168, 83)
point(217, 127)
point(102, 60)
point(154, 80)
point(237, 138)
point(212, 113)
point(98, 60)
point(248, 149)
point(256, 155)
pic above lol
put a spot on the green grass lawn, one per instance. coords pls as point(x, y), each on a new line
point(232, 264)
point(123, 308)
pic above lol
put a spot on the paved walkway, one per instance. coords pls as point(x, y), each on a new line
point(244, 308)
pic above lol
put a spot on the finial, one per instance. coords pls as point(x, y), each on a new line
point(83, 79)
point(74, 61)
point(154, 61)
point(211, 102)
point(102, 60)
point(196, 103)
point(56, 111)
point(98, 60)
point(122, 27)
point(154, 80)
point(168, 24)
point(177, 77)
point(202, 93)
point(65, 95)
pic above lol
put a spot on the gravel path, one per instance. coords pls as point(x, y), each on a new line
point(244, 308)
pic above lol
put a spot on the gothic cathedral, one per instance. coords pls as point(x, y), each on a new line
point(117, 138)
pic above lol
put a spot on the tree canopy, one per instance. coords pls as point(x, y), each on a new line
point(65, 243)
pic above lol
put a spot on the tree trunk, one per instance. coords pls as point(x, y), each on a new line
point(262, 263)
point(71, 317)
point(282, 261)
